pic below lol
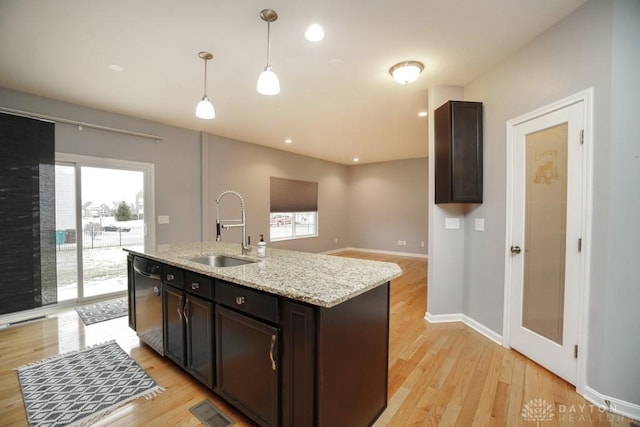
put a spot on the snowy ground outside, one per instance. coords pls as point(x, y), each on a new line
point(105, 265)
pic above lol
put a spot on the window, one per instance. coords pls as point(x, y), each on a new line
point(294, 209)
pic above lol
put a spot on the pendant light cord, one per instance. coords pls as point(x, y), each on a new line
point(268, 42)
point(205, 77)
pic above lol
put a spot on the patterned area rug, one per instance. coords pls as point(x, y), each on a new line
point(102, 311)
point(76, 389)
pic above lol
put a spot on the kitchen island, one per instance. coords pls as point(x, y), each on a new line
point(291, 339)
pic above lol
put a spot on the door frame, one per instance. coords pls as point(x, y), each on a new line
point(148, 170)
point(586, 97)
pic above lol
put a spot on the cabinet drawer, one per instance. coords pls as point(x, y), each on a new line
point(173, 276)
point(199, 285)
point(246, 300)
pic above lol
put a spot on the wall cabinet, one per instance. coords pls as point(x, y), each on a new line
point(458, 152)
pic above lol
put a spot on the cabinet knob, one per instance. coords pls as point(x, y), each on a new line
point(195, 285)
point(515, 250)
point(240, 300)
point(170, 277)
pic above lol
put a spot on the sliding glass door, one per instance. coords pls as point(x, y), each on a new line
point(101, 208)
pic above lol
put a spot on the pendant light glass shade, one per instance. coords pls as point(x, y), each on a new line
point(406, 72)
point(268, 82)
point(204, 109)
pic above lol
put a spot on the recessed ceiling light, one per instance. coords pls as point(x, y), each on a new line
point(314, 33)
point(422, 114)
point(356, 159)
point(288, 141)
point(116, 67)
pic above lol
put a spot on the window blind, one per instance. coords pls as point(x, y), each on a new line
point(27, 213)
point(289, 195)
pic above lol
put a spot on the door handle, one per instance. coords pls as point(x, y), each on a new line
point(515, 250)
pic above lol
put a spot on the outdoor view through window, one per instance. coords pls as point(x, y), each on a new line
point(112, 213)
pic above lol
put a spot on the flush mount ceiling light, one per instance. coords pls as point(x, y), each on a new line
point(406, 72)
point(204, 109)
point(268, 83)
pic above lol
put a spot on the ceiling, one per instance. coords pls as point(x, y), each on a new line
point(337, 100)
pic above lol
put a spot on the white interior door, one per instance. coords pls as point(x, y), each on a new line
point(546, 240)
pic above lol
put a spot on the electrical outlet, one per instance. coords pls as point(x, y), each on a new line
point(479, 224)
point(399, 242)
point(422, 244)
point(335, 240)
point(163, 219)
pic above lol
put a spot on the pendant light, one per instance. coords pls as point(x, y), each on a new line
point(268, 83)
point(205, 110)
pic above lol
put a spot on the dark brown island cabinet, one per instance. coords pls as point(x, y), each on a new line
point(458, 152)
point(279, 361)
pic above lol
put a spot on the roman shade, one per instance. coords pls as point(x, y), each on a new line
point(288, 195)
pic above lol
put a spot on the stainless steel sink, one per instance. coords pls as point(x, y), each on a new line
point(220, 261)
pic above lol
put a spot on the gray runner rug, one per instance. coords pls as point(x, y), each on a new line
point(102, 311)
point(77, 388)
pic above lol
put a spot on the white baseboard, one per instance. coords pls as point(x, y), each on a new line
point(376, 251)
point(473, 324)
point(617, 406)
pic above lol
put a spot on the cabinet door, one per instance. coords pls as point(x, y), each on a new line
point(458, 152)
point(172, 307)
point(198, 314)
point(247, 365)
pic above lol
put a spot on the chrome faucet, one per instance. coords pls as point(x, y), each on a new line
point(245, 247)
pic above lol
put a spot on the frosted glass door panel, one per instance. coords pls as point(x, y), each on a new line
point(545, 232)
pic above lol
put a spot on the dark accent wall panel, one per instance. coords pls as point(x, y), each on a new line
point(27, 213)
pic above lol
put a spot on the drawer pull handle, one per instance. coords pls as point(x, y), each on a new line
point(195, 286)
point(170, 277)
point(272, 356)
point(178, 309)
point(240, 300)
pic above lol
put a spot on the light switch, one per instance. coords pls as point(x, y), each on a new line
point(479, 224)
point(452, 223)
point(163, 219)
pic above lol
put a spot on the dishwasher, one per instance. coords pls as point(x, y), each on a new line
point(148, 299)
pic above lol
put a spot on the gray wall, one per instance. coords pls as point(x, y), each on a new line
point(246, 168)
point(176, 157)
point(596, 46)
point(185, 156)
point(388, 202)
point(620, 340)
point(446, 246)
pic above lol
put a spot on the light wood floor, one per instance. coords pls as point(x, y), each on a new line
point(439, 374)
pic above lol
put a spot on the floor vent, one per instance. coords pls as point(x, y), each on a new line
point(20, 322)
point(210, 415)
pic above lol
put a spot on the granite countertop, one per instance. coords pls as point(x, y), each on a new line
point(322, 280)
